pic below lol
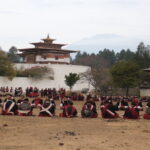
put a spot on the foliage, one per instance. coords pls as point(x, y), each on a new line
point(125, 74)
point(91, 60)
point(6, 67)
point(108, 55)
point(142, 56)
point(12, 55)
point(71, 79)
point(125, 55)
point(145, 79)
point(99, 78)
point(103, 59)
point(36, 72)
point(106, 58)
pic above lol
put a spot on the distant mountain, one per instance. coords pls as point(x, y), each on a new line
point(101, 41)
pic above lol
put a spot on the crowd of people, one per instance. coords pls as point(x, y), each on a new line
point(45, 100)
point(32, 92)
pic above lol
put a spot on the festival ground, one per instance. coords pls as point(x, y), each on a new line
point(42, 133)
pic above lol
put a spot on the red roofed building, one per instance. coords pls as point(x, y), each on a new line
point(46, 52)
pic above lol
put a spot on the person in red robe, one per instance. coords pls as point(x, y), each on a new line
point(147, 112)
point(68, 110)
point(108, 109)
point(9, 106)
point(47, 109)
point(89, 109)
point(25, 108)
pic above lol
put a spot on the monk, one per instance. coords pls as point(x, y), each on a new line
point(36, 101)
point(132, 112)
point(89, 109)
point(147, 112)
point(108, 109)
point(25, 108)
point(123, 103)
point(9, 107)
point(68, 110)
point(137, 103)
point(47, 109)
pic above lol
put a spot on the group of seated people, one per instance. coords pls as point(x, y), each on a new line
point(33, 92)
point(132, 111)
point(47, 107)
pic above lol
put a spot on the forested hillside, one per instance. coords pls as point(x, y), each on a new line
point(107, 66)
point(106, 58)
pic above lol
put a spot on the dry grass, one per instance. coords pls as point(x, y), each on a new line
point(42, 133)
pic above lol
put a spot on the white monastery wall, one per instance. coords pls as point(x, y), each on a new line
point(144, 92)
point(60, 70)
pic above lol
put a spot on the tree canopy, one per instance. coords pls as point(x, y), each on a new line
point(125, 74)
point(71, 79)
point(12, 55)
point(6, 67)
point(98, 78)
point(106, 58)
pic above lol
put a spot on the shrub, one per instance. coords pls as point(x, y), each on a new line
point(36, 72)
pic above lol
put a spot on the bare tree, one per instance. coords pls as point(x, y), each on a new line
point(99, 78)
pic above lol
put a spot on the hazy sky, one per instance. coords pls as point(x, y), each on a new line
point(24, 21)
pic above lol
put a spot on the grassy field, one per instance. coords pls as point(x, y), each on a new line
point(42, 133)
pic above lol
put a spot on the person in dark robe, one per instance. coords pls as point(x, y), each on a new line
point(137, 103)
point(1, 102)
point(108, 109)
point(68, 110)
point(9, 106)
point(132, 112)
point(21, 99)
point(89, 109)
point(25, 108)
point(147, 112)
point(47, 108)
point(123, 103)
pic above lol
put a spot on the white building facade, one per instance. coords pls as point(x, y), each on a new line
point(60, 70)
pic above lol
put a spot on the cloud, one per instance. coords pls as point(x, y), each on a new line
point(110, 41)
point(7, 12)
point(71, 20)
point(57, 3)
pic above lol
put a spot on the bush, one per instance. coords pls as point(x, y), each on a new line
point(36, 72)
point(6, 67)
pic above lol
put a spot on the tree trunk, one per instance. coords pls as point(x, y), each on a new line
point(70, 90)
point(127, 91)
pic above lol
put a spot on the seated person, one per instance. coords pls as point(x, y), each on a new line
point(25, 108)
point(37, 101)
point(9, 106)
point(137, 103)
point(132, 112)
point(69, 110)
point(89, 109)
point(21, 99)
point(147, 112)
point(108, 109)
point(47, 108)
point(123, 103)
point(1, 102)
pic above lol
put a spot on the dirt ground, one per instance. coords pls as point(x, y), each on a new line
point(42, 133)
